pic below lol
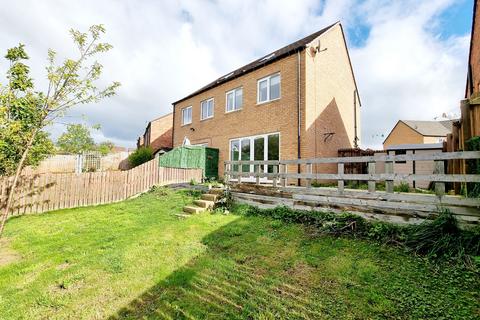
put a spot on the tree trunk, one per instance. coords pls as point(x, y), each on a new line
point(15, 181)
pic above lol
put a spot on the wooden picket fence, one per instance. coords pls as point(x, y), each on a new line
point(46, 192)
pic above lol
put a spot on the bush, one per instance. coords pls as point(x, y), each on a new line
point(139, 156)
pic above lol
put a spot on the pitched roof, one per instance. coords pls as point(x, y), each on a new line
point(430, 128)
point(265, 60)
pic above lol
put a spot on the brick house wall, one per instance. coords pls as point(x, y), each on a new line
point(158, 134)
point(473, 81)
point(253, 119)
point(329, 100)
point(281, 116)
point(402, 134)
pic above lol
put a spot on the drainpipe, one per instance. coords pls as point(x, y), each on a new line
point(355, 138)
point(173, 126)
point(298, 112)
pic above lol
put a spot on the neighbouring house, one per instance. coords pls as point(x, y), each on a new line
point(300, 101)
point(158, 135)
point(468, 126)
point(418, 132)
point(473, 74)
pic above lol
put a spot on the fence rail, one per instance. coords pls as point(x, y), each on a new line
point(372, 204)
point(45, 192)
point(279, 168)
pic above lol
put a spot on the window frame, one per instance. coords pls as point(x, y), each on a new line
point(268, 79)
point(252, 151)
point(201, 108)
point(183, 115)
point(233, 91)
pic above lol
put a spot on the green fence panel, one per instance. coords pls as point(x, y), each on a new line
point(192, 157)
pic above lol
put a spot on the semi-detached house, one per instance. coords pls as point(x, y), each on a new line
point(300, 101)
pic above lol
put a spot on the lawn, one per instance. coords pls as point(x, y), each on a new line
point(136, 259)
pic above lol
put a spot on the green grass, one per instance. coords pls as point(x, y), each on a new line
point(135, 259)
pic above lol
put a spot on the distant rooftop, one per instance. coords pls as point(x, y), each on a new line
point(430, 128)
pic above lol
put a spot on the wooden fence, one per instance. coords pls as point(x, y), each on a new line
point(46, 192)
point(371, 203)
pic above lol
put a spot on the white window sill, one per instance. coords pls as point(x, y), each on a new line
point(268, 101)
point(232, 111)
point(206, 119)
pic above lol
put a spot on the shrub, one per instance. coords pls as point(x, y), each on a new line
point(139, 156)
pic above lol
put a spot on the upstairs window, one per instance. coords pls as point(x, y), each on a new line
point(206, 109)
point(234, 100)
point(186, 115)
point(268, 88)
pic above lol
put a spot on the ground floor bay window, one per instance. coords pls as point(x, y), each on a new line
point(260, 148)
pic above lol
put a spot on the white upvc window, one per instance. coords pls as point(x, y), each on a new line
point(262, 147)
point(234, 100)
point(187, 115)
point(268, 88)
point(206, 107)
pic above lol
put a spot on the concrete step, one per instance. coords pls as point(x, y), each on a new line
point(193, 209)
point(204, 203)
point(216, 190)
point(210, 197)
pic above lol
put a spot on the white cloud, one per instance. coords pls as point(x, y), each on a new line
point(406, 70)
point(164, 50)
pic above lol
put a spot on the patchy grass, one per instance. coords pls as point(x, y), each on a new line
point(135, 259)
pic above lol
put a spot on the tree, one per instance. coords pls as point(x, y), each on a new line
point(26, 112)
point(77, 139)
point(18, 111)
point(139, 156)
point(105, 147)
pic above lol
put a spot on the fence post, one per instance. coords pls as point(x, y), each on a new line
point(257, 171)
point(389, 170)
point(439, 169)
point(225, 174)
point(371, 171)
point(284, 178)
point(341, 170)
point(309, 171)
point(275, 175)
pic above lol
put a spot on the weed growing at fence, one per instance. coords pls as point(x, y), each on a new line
point(225, 202)
point(440, 239)
point(362, 185)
